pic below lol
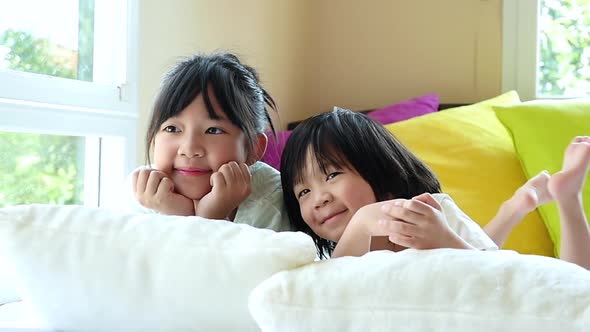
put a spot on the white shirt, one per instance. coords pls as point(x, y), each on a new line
point(464, 226)
point(264, 208)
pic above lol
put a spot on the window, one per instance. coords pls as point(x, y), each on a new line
point(546, 51)
point(67, 101)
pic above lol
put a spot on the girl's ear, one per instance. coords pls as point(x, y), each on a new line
point(259, 148)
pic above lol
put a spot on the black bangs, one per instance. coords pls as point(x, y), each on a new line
point(324, 139)
point(181, 86)
point(217, 81)
point(321, 148)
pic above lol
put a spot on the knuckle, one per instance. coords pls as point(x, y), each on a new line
point(403, 227)
point(405, 213)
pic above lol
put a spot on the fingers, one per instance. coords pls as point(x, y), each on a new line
point(217, 181)
point(150, 186)
point(232, 174)
point(165, 186)
point(146, 181)
point(232, 183)
point(402, 240)
point(399, 227)
point(415, 223)
point(408, 210)
point(428, 199)
point(238, 173)
point(400, 232)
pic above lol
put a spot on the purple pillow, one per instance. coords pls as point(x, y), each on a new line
point(406, 109)
point(274, 149)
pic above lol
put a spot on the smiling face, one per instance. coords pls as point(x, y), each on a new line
point(191, 146)
point(328, 200)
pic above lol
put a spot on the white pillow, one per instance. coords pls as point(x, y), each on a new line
point(430, 290)
point(8, 292)
point(20, 317)
point(99, 270)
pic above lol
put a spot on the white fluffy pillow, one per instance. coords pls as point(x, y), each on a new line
point(431, 290)
point(98, 270)
point(8, 291)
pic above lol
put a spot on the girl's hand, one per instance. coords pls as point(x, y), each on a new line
point(419, 223)
point(231, 185)
point(155, 190)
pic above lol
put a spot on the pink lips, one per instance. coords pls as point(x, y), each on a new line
point(332, 217)
point(193, 171)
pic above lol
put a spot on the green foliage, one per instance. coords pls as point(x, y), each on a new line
point(564, 48)
point(36, 55)
point(36, 168)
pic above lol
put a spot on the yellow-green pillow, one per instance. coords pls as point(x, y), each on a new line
point(541, 131)
point(473, 156)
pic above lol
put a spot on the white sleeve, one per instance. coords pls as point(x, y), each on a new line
point(464, 226)
point(126, 201)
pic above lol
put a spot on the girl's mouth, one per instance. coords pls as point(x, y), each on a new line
point(193, 171)
point(333, 217)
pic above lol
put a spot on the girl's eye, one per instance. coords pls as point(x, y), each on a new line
point(332, 175)
point(170, 129)
point(302, 193)
point(214, 131)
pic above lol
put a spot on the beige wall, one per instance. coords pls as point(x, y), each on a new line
point(314, 54)
point(372, 53)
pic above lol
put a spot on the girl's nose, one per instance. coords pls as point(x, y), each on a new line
point(190, 149)
point(322, 199)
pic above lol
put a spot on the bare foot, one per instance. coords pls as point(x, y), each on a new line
point(531, 195)
point(568, 182)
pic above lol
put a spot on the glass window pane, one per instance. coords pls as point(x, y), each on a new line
point(39, 168)
point(48, 37)
point(564, 48)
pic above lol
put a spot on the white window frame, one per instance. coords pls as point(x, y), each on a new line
point(51, 105)
point(520, 47)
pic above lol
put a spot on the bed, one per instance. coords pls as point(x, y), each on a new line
point(83, 269)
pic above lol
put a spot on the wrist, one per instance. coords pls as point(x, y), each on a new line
point(458, 242)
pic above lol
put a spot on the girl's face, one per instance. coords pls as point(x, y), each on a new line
point(328, 201)
point(191, 146)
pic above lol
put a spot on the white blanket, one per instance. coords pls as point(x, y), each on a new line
point(20, 317)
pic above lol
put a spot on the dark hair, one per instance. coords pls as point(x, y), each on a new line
point(235, 85)
point(353, 140)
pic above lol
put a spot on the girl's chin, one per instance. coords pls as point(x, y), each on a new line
point(193, 194)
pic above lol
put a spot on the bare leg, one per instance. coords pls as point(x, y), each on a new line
point(527, 198)
point(566, 187)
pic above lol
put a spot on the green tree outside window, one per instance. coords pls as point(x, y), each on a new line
point(564, 68)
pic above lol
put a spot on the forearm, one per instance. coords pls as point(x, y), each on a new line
point(354, 242)
point(502, 224)
point(356, 239)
